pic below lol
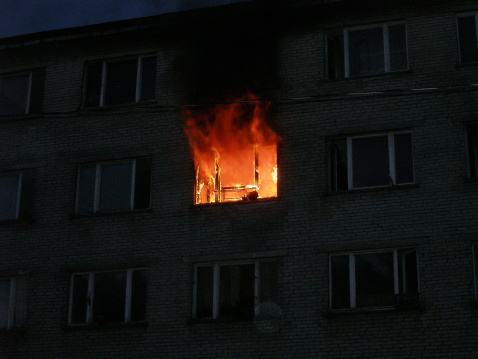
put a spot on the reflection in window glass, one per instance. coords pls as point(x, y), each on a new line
point(366, 51)
point(115, 187)
point(370, 161)
point(467, 35)
point(14, 93)
point(9, 196)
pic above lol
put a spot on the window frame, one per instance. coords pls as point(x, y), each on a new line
point(386, 48)
point(29, 89)
point(391, 160)
point(471, 141)
point(217, 290)
point(398, 271)
point(15, 304)
point(97, 189)
point(104, 79)
point(457, 17)
point(89, 301)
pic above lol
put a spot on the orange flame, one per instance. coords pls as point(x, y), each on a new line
point(234, 150)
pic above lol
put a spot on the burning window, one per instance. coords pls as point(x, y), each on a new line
point(235, 152)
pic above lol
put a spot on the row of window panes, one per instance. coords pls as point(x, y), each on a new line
point(350, 52)
point(365, 161)
point(232, 290)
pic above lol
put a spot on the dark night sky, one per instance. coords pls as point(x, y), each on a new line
point(18, 17)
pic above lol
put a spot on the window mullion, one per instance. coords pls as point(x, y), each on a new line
point(353, 286)
point(133, 182)
point(11, 303)
point(19, 194)
point(138, 80)
point(346, 54)
point(90, 298)
point(29, 92)
point(391, 158)
point(349, 164)
point(396, 285)
point(103, 84)
point(386, 48)
point(129, 288)
point(96, 204)
point(215, 296)
point(257, 288)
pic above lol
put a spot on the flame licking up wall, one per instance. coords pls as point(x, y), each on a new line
point(234, 150)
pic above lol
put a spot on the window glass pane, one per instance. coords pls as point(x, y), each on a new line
point(142, 183)
point(340, 282)
point(473, 151)
point(370, 161)
point(403, 158)
point(20, 308)
point(86, 189)
point(109, 297)
point(374, 279)
point(366, 51)
point(468, 39)
point(8, 196)
point(475, 253)
point(14, 95)
point(148, 78)
point(93, 83)
point(335, 52)
point(236, 293)
point(204, 291)
point(338, 163)
point(79, 299)
point(115, 188)
point(398, 47)
point(138, 295)
point(4, 302)
point(410, 272)
point(121, 82)
point(268, 281)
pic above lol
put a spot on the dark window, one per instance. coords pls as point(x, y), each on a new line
point(12, 302)
point(234, 291)
point(371, 161)
point(368, 50)
point(22, 93)
point(472, 141)
point(468, 38)
point(374, 279)
point(121, 81)
point(114, 186)
point(16, 195)
point(106, 297)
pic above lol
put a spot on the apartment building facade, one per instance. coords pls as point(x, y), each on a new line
point(126, 232)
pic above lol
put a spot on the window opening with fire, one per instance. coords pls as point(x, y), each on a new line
point(235, 152)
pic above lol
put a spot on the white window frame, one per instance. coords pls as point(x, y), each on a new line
point(352, 276)
point(139, 74)
point(29, 90)
point(91, 295)
point(386, 45)
point(475, 14)
point(97, 194)
point(391, 157)
point(19, 191)
point(216, 289)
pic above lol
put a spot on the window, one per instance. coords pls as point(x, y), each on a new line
point(468, 37)
point(108, 297)
point(12, 302)
point(114, 186)
point(475, 267)
point(117, 82)
point(22, 93)
point(374, 279)
point(371, 161)
point(472, 142)
point(367, 50)
point(233, 291)
point(16, 195)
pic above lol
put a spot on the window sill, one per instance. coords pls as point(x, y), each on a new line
point(119, 106)
point(466, 64)
point(109, 213)
point(373, 189)
point(193, 321)
point(107, 326)
point(369, 76)
point(471, 180)
point(333, 313)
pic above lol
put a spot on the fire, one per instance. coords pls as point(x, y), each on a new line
point(234, 150)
